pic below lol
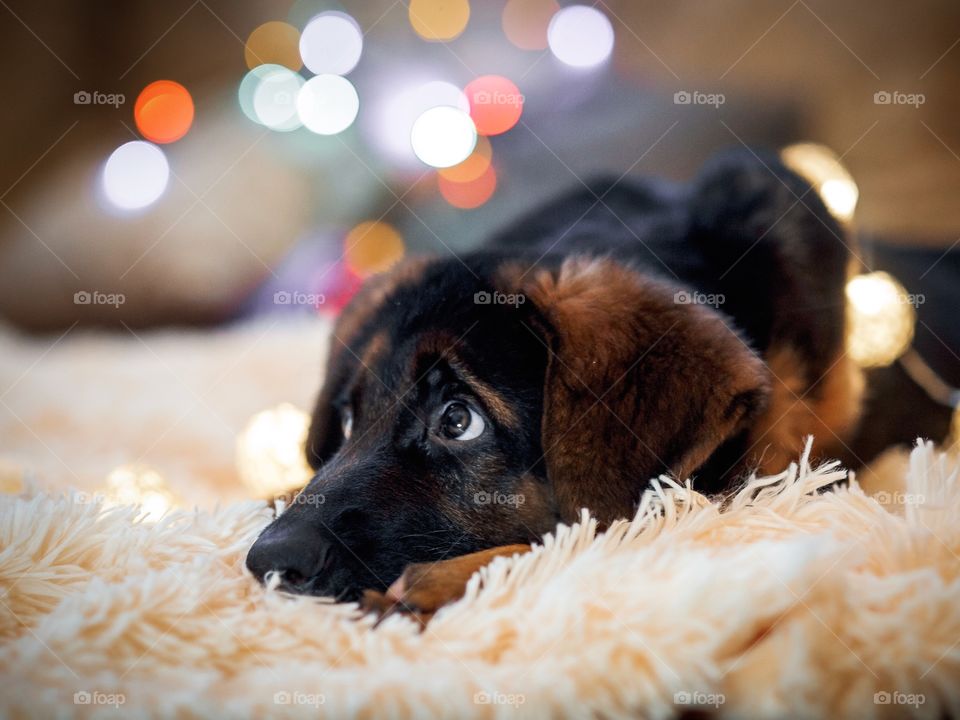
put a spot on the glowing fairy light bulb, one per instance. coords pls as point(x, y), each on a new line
point(270, 451)
point(438, 20)
point(135, 175)
point(275, 100)
point(580, 36)
point(139, 485)
point(820, 166)
point(443, 136)
point(273, 42)
point(327, 104)
point(163, 111)
point(880, 319)
point(331, 44)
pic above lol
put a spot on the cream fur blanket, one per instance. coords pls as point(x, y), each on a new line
point(786, 602)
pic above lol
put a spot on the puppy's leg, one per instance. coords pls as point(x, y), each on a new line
point(424, 588)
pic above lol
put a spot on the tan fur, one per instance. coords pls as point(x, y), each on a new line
point(371, 296)
point(622, 353)
point(827, 408)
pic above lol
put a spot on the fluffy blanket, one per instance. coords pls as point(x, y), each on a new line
point(783, 601)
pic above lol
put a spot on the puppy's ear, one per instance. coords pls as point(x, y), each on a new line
point(638, 383)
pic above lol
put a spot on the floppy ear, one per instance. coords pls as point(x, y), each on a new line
point(637, 384)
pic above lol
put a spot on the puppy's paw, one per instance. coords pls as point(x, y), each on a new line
point(411, 595)
point(424, 588)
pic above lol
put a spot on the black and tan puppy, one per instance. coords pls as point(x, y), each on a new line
point(632, 329)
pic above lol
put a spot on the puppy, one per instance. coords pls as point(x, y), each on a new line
point(623, 331)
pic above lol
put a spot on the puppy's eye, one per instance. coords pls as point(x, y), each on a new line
point(346, 422)
point(459, 421)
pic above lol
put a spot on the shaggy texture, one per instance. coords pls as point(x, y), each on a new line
point(785, 601)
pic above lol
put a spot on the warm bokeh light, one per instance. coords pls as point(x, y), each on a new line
point(275, 99)
point(331, 43)
point(880, 319)
point(525, 22)
point(270, 453)
point(135, 175)
point(439, 20)
point(142, 486)
point(163, 111)
point(443, 136)
point(327, 104)
point(580, 36)
point(276, 43)
point(372, 247)
point(495, 104)
point(472, 194)
point(391, 121)
point(821, 167)
point(473, 167)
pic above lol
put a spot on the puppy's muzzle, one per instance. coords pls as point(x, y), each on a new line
point(296, 552)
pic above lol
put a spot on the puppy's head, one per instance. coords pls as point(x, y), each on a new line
point(472, 405)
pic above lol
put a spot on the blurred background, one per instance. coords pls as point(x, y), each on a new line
point(194, 162)
point(245, 195)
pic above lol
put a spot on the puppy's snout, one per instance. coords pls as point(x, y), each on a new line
point(298, 553)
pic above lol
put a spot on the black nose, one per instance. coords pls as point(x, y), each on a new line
point(297, 553)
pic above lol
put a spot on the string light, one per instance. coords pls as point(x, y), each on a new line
point(276, 43)
point(331, 44)
point(880, 319)
point(327, 104)
point(372, 247)
point(495, 104)
point(135, 175)
point(525, 22)
point(270, 451)
point(142, 486)
point(163, 111)
point(443, 136)
point(580, 36)
point(820, 166)
point(439, 20)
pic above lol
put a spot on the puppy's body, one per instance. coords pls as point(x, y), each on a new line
point(622, 332)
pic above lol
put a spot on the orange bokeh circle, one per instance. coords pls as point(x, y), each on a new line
point(469, 195)
point(163, 111)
